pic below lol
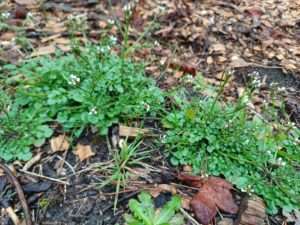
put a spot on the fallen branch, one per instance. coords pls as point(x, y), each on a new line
point(13, 180)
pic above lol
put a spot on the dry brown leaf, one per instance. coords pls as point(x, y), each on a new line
point(186, 202)
point(203, 206)
point(84, 152)
point(186, 68)
point(220, 48)
point(59, 143)
point(168, 187)
point(125, 131)
point(214, 193)
point(43, 50)
point(162, 188)
point(187, 169)
point(237, 61)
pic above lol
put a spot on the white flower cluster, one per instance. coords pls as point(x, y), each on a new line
point(93, 111)
point(291, 124)
point(111, 21)
point(103, 49)
point(189, 79)
point(248, 189)
point(29, 15)
point(74, 80)
point(281, 89)
point(128, 7)
point(78, 17)
point(113, 40)
point(280, 162)
point(5, 15)
point(269, 152)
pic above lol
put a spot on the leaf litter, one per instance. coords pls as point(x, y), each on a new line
point(209, 37)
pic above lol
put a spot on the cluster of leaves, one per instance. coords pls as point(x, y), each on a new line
point(89, 86)
point(144, 213)
point(222, 139)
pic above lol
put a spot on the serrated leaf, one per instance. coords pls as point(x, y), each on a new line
point(168, 211)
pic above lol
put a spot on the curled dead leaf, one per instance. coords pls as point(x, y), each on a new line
point(59, 143)
point(84, 152)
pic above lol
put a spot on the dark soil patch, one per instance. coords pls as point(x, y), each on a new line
point(271, 77)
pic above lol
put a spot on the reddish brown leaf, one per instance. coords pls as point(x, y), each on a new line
point(218, 182)
point(224, 200)
point(214, 193)
point(194, 181)
point(254, 12)
point(203, 205)
point(187, 68)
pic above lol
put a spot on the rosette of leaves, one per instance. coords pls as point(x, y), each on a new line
point(88, 87)
point(144, 212)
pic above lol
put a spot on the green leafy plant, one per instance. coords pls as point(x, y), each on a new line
point(144, 213)
point(88, 87)
point(223, 139)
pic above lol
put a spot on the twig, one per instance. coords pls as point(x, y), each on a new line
point(45, 177)
point(63, 160)
point(189, 217)
point(13, 180)
point(12, 215)
point(32, 161)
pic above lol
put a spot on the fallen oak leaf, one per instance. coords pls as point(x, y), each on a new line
point(84, 152)
point(203, 205)
point(214, 193)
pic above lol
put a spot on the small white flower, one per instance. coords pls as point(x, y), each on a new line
point(74, 80)
point(283, 163)
point(279, 159)
point(189, 79)
point(269, 152)
point(147, 107)
point(156, 43)
point(127, 7)
point(256, 82)
point(93, 111)
point(70, 17)
point(30, 15)
point(281, 89)
point(5, 15)
point(113, 39)
point(111, 22)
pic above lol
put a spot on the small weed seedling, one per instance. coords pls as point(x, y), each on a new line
point(144, 213)
point(90, 86)
point(222, 139)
